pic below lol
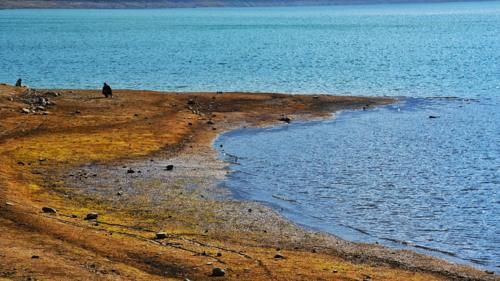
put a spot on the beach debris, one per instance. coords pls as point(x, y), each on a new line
point(160, 235)
point(19, 82)
point(37, 101)
point(106, 91)
point(433, 116)
point(218, 272)
point(279, 256)
point(285, 119)
point(169, 167)
point(49, 210)
point(91, 216)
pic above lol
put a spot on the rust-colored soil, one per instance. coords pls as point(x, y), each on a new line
point(74, 153)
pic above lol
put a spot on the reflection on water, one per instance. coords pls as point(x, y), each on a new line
point(391, 175)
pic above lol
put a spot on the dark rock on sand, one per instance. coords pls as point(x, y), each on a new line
point(130, 171)
point(49, 210)
point(285, 119)
point(169, 167)
point(433, 116)
point(160, 235)
point(91, 216)
point(279, 256)
point(218, 272)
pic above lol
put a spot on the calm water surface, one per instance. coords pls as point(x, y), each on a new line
point(390, 174)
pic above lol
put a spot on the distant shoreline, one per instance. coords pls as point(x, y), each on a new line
point(170, 4)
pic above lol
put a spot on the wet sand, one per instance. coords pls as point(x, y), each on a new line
point(82, 153)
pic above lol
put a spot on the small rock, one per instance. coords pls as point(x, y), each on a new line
point(218, 272)
point(35, 257)
point(25, 110)
point(119, 193)
point(46, 113)
point(219, 254)
point(190, 124)
point(191, 102)
point(130, 171)
point(285, 119)
point(91, 216)
point(9, 203)
point(335, 271)
point(433, 116)
point(169, 167)
point(161, 235)
point(74, 216)
point(249, 210)
point(49, 210)
point(315, 97)
point(20, 163)
point(210, 122)
point(279, 256)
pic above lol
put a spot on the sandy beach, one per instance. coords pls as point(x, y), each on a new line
point(143, 163)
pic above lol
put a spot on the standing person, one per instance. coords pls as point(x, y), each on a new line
point(19, 82)
point(106, 91)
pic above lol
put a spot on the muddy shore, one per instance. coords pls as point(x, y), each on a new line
point(76, 152)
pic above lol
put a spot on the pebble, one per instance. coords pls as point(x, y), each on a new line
point(218, 272)
point(91, 216)
point(161, 235)
point(285, 119)
point(25, 110)
point(130, 171)
point(49, 210)
point(169, 167)
point(279, 256)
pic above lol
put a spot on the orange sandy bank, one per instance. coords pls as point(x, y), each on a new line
point(76, 152)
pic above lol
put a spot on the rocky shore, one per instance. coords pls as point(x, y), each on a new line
point(128, 189)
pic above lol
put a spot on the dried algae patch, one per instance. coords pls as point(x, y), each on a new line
point(37, 152)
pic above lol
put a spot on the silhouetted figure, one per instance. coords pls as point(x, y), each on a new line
point(19, 82)
point(106, 91)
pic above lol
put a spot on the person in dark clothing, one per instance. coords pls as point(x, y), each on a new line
point(19, 82)
point(106, 91)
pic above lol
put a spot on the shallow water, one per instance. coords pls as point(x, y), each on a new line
point(388, 175)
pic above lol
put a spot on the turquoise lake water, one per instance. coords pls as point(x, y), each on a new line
point(390, 175)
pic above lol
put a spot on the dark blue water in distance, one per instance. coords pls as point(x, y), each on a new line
point(389, 174)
